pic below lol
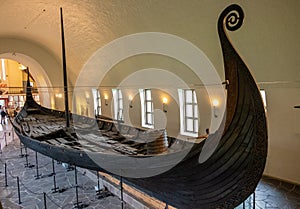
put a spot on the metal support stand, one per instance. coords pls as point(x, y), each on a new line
point(76, 186)
point(37, 176)
point(27, 164)
point(244, 205)
point(45, 201)
point(21, 149)
point(54, 189)
point(121, 185)
point(19, 193)
point(98, 183)
point(26, 158)
point(167, 206)
point(77, 204)
point(5, 139)
point(253, 200)
point(5, 172)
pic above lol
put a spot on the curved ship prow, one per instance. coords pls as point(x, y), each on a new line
point(221, 179)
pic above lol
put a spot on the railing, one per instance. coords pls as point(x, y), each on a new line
point(19, 90)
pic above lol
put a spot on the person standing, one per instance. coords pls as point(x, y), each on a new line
point(3, 115)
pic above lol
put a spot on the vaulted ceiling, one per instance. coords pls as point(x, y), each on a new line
point(271, 27)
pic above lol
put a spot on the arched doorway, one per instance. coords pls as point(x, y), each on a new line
point(39, 75)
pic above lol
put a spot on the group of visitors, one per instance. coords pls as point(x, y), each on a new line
point(4, 113)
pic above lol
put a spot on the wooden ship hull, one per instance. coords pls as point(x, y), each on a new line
point(224, 180)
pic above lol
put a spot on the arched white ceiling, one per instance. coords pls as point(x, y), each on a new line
point(269, 33)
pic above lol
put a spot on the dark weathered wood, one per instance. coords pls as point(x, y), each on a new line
point(67, 114)
point(224, 180)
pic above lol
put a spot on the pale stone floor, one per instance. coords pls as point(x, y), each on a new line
point(270, 193)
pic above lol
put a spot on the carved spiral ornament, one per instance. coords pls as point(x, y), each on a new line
point(233, 17)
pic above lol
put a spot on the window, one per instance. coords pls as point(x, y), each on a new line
point(97, 101)
point(147, 108)
point(188, 112)
point(118, 104)
point(3, 67)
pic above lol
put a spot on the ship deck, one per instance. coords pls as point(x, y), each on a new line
point(90, 136)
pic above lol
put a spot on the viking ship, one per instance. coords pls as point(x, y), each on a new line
point(224, 180)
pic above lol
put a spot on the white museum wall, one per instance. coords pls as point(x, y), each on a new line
point(284, 132)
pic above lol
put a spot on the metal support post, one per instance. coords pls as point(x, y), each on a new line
point(19, 193)
point(98, 183)
point(54, 189)
point(5, 172)
point(12, 135)
point(121, 185)
point(77, 204)
point(37, 176)
point(26, 158)
point(5, 139)
point(76, 185)
point(253, 200)
point(21, 149)
point(45, 201)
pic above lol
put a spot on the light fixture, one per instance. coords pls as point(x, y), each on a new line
point(87, 97)
point(215, 104)
point(59, 95)
point(22, 67)
point(105, 99)
point(165, 100)
point(130, 101)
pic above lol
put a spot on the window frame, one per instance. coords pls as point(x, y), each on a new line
point(147, 109)
point(118, 104)
point(185, 117)
point(97, 101)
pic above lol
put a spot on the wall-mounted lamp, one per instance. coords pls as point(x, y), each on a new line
point(59, 95)
point(105, 99)
point(215, 104)
point(22, 67)
point(165, 100)
point(87, 97)
point(130, 101)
